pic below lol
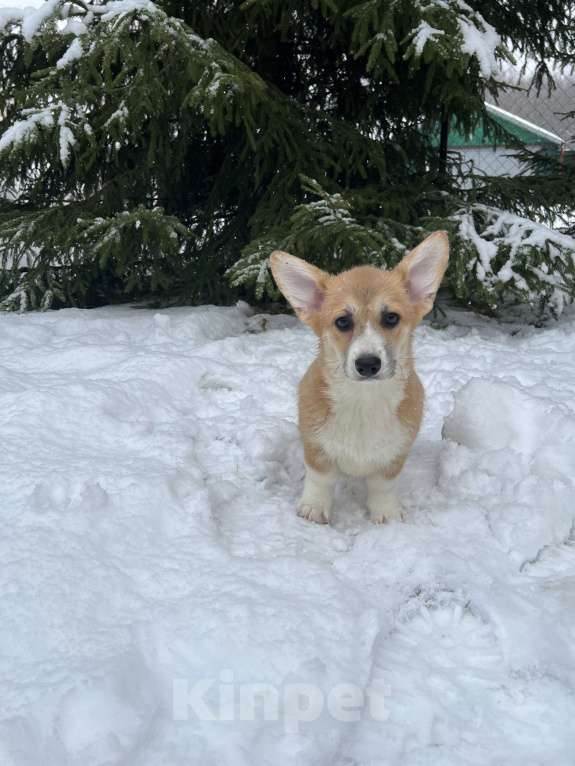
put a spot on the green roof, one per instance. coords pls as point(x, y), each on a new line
point(521, 129)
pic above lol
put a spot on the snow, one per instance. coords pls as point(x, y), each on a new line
point(480, 40)
point(121, 114)
point(151, 467)
point(32, 20)
point(423, 34)
point(66, 136)
point(501, 230)
point(32, 16)
point(20, 4)
point(477, 38)
point(22, 130)
point(74, 51)
point(527, 444)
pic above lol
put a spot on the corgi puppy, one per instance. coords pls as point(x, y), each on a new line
point(360, 401)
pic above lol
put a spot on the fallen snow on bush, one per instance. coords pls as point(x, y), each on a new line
point(153, 568)
point(539, 261)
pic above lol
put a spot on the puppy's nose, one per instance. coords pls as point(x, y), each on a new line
point(368, 365)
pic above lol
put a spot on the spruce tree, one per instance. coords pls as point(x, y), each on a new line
point(164, 149)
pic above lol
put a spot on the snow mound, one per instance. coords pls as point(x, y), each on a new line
point(515, 453)
point(492, 415)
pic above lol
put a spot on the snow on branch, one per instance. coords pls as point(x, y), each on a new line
point(31, 20)
point(25, 130)
point(73, 53)
point(423, 34)
point(22, 130)
point(519, 252)
point(480, 40)
point(444, 22)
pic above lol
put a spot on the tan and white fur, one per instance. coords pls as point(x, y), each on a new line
point(360, 401)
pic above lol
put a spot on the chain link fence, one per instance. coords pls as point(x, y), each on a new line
point(537, 120)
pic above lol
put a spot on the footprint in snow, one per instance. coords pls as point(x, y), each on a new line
point(435, 671)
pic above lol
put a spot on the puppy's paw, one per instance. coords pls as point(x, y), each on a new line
point(384, 512)
point(317, 513)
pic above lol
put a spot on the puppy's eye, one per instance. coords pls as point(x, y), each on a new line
point(344, 323)
point(390, 319)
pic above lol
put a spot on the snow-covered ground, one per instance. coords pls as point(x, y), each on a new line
point(20, 3)
point(152, 567)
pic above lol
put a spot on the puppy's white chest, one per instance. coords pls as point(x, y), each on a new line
point(363, 433)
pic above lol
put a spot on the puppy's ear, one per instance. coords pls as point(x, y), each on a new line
point(422, 270)
point(301, 283)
